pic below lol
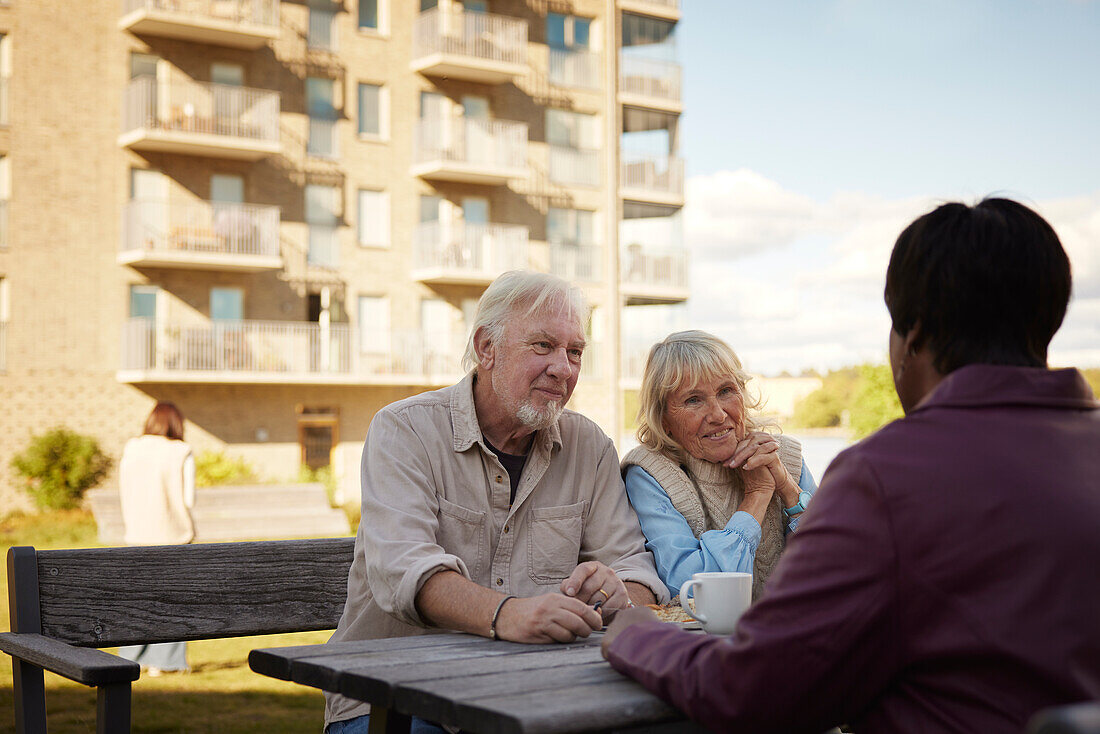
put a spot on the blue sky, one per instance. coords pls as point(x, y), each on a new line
point(814, 131)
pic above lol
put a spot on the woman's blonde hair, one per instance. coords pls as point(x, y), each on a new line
point(686, 358)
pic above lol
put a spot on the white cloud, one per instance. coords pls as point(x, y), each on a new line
point(793, 283)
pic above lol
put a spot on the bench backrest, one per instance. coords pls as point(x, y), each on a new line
point(102, 597)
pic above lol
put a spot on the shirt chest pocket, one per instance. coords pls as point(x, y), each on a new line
point(462, 533)
point(554, 542)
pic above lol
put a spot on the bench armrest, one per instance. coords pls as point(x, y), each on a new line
point(81, 664)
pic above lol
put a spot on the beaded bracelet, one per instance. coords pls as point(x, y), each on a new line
point(496, 615)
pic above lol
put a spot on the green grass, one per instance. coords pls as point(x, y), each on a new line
point(220, 695)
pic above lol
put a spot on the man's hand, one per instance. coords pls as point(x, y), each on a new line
point(624, 619)
point(547, 618)
point(592, 582)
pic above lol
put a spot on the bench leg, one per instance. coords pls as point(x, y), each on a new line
point(30, 698)
point(113, 709)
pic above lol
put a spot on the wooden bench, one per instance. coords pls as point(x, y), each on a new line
point(64, 602)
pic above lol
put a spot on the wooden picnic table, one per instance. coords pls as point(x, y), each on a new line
point(477, 684)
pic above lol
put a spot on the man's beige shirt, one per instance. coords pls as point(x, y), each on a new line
point(435, 497)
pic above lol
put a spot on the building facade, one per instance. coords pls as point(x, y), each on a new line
point(280, 215)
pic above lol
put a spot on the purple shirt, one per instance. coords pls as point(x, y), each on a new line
point(945, 578)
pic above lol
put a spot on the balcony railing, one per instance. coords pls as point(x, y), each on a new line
point(278, 351)
point(575, 262)
point(575, 68)
point(459, 252)
point(200, 118)
point(652, 178)
point(479, 47)
point(574, 166)
point(650, 82)
point(236, 23)
point(653, 275)
point(469, 149)
point(201, 234)
point(667, 9)
point(322, 30)
point(592, 361)
point(323, 142)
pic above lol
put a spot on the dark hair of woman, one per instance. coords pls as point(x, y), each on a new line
point(986, 284)
point(165, 420)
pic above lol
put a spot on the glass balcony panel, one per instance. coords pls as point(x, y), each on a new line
point(574, 166)
point(656, 177)
point(650, 81)
point(579, 69)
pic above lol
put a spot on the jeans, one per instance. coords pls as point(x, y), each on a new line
point(361, 725)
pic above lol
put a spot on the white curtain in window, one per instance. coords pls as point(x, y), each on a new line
point(374, 218)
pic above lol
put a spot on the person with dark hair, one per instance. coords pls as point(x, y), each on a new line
point(157, 491)
point(945, 576)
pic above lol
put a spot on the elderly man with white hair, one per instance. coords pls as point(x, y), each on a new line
point(487, 506)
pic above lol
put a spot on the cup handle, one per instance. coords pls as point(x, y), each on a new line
point(684, 598)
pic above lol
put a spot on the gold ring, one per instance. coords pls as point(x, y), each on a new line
point(606, 596)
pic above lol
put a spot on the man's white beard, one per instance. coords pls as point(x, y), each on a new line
point(536, 419)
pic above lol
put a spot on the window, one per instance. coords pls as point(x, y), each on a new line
point(226, 304)
point(5, 73)
point(370, 110)
point(143, 65)
point(570, 226)
point(231, 74)
point(323, 216)
point(143, 302)
point(322, 28)
point(322, 117)
point(568, 32)
point(374, 324)
point(368, 15)
point(5, 194)
point(374, 218)
point(572, 129)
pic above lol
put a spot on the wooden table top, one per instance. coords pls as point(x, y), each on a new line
point(478, 684)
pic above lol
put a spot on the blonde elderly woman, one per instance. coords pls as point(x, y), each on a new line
point(712, 491)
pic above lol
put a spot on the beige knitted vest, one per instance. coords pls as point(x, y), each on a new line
point(708, 494)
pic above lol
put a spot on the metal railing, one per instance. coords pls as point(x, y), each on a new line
point(201, 107)
point(494, 144)
point(650, 266)
point(575, 68)
point(482, 36)
point(650, 78)
point(322, 30)
point(575, 262)
point(295, 350)
point(255, 12)
point(652, 173)
point(200, 227)
point(474, 249)
point(574, 166)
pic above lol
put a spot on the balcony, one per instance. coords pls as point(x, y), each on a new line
point(578, 69)
point(665, 9)
point(201, 236)
point(477, 47)
point(650, 83)
point(460, 253)
point(280, 352)
point(575, 263)
point(592, 362)
point(652, 179)
point(653, 275)
point(469, 150)
point(247, 24)
point(574, 166)
point(197, 118)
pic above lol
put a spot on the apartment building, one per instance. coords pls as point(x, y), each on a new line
point(280, 215)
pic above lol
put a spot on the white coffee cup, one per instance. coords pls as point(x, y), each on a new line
point(720, 599)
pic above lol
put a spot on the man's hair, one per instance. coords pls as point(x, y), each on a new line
point(165, 420)
point(685, 358)
point(987, 284)
point(517, 294)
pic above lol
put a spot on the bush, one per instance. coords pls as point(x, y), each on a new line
point(59, 466)
point(325, 476)
point(875, 402)
point(214, 467)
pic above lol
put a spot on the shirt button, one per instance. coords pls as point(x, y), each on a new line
point(500, 582)
point(507, 528)
point(499, 479)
